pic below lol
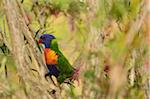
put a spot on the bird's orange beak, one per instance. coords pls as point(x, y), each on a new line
point(40, 41)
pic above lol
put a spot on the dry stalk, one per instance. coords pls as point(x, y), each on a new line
point(147, 61)
point(34, 87)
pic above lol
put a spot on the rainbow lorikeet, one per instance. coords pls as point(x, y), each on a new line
point(56, 62)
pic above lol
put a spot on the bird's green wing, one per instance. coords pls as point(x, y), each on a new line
point(64, 66)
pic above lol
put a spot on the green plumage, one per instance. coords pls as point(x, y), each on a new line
point(65, 68)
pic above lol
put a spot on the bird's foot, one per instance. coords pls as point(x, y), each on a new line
point(46, 75)
point(50, 76)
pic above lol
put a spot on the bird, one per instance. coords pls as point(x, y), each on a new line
point(57, 64)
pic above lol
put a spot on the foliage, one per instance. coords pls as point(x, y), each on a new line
point(93, 35)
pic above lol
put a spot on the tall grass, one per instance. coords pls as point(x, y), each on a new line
point(108, 40)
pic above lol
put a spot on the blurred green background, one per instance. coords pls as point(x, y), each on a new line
point(93, 34)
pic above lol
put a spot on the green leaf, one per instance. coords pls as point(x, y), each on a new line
point(89, 74)
point(118, 9)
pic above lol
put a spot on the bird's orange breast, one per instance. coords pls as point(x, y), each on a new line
point(50, 56)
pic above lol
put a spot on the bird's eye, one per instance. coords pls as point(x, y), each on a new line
point(43, 38)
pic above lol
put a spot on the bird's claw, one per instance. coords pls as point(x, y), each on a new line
point(47, 74)
point(50, 76)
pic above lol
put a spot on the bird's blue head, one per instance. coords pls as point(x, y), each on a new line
point(46, 40)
